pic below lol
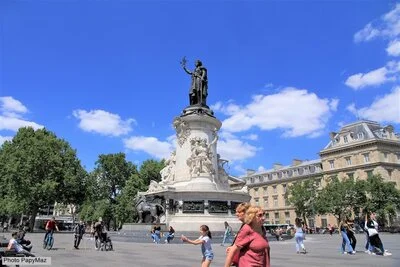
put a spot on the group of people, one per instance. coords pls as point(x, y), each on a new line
point(250, 246)
point(373, 243)
point(156, 234)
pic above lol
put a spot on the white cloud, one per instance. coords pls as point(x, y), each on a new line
point(13, 124)
point(5, 138)
point(11, 115)
point(394, 48)
point(103, 122)
point(297, 112)
point(261, 169)
point(11, 105)
point(252, 137)
point(384, 109)
point(150, 145)
point(390, 72)
point(366, 34)
point(232, 148)
point(387, 26)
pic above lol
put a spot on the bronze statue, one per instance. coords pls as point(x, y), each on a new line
point(199, 87)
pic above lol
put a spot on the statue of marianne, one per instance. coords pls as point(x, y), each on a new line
point(199, 88)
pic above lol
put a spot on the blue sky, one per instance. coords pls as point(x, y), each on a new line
point(105, 75)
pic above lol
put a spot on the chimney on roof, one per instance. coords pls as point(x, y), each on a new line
point(277, 166)
point(296, 162)
point(250, 172)
point(332, 135)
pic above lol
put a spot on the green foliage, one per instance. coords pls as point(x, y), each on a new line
point(301, 196)
point(150, 170)
point(38, 168)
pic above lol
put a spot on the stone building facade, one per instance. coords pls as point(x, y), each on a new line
point(358, 150)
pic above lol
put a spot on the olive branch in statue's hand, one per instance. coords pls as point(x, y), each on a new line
point(183, 62)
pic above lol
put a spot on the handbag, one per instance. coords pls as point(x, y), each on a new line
point(372, 232)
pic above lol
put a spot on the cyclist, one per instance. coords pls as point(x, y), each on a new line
point(50, 227)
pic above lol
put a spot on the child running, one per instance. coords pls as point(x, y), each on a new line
point(205, 241)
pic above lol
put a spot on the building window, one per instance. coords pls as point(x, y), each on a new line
point(266, 215)
point(345, 139)
point(398, 157)
point(284, 188)
point(385, 156)
point(275, 201)
point(265, 189)
point(287, 217)
point(252, 180)
point(279, 175)
point(332, 164)
point(370, 174)
point(348, 160)
point(275, 190)
point(266, 203)
point(360, 135)
point(366, 157)
point(277, 216)
point(324, 223)
point(256, 192)
point(287, 202)
point(256, 201)
point(350, 175)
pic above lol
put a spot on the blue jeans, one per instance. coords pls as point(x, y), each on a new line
point(227, 236)
point(346, 242)
point(299, 241)
point(156, 236)
point(169, 237)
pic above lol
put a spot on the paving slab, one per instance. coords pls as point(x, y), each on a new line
point(323, 250)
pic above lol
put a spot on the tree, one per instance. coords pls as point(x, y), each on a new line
point(124, 208)
point(341, 198)
point(105, 184)
point(302, 196)
point(38, 169)
point(381, 197)
point(150, 170)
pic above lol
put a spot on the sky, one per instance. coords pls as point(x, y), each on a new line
point(105, 75)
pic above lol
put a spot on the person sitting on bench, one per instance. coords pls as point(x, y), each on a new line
point(13, 245)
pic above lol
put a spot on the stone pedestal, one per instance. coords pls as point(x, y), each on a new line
point(194, 188)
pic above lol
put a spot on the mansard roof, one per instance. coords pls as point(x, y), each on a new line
point(361, 131)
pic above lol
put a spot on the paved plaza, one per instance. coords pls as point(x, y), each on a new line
point(323, 251)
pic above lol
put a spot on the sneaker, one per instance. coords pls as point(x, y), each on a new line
point(304, 251)
point(387, 254)
point(345, 252)
point(352, 253)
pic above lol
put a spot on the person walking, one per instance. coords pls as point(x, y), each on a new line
point(299, 236)
point(351, 234)
point(345, 239)
point(251, 241)
point(79, 231)
point(205, 241)
point(227, 233)
point(371, 226)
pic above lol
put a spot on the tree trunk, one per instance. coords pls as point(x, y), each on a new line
point(32, 218)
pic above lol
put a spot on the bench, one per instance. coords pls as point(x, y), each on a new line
point(9, 253)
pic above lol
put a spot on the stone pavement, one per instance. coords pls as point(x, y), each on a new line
point(323, 251)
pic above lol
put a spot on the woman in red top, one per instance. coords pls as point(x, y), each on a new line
point(251, 241)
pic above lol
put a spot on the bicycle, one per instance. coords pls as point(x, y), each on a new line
point(49, 241)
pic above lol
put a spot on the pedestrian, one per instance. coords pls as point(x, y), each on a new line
point(330, 229)
point(371, 226)
point(251, 241)
point(170, 235)
point(351, 234)
point(240, 214)
point(205, 241)
point(345, 239)
point(227, 233)
point(299, 236)
point(79, 231)
point(13, 245)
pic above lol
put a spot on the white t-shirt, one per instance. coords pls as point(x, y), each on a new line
point(14, 244)
point(207, 243)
